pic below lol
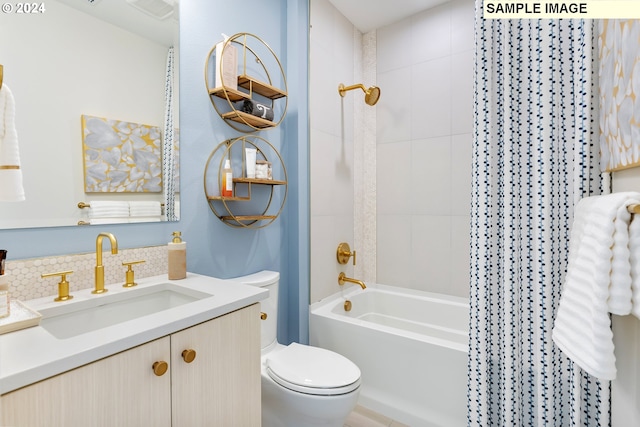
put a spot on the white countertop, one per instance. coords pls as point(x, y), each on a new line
point(33, 354)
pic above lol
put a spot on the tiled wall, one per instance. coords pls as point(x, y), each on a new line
point(393, 180)
point(333, 48)
point(424, 125)
point(26, 281)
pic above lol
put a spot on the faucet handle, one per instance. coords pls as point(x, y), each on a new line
point(129, 274)
point(63, 285)
point(344, 253)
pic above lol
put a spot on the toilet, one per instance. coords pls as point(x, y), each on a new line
point(301, 385)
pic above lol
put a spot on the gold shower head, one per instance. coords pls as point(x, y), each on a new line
point(371, 95)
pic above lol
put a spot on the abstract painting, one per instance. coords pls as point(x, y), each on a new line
point(619, 81)
point(121, 157)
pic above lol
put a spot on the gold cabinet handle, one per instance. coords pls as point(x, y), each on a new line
point(263, 315)
point(160, 367)
point(189, 355)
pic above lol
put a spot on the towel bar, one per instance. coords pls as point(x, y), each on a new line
point(634, 209)
point(83, 205)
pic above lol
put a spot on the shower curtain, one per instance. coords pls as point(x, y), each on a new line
point(534, 156)
point(168, 154)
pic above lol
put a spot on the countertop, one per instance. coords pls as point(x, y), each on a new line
point(33, 354)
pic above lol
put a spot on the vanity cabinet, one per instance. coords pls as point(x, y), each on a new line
point(221, 386)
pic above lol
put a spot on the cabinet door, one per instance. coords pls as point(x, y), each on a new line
point(120, 390)
point(221, 386)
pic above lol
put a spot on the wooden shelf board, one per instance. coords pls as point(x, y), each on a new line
point(229, 199)
point(259, 181)
point(244, 118)
point(239, 218)
point(260, 88)
point(234, 95)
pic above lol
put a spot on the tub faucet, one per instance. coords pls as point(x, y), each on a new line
point(343, 278)
point(99, 288)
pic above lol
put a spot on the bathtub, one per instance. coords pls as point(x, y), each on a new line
point(411, 347)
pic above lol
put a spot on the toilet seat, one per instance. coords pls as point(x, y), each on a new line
point(313, 370)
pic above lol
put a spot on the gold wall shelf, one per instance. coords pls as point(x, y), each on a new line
point(245, 209)
point(256, 64)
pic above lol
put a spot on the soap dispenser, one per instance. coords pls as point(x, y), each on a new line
point(177, 257)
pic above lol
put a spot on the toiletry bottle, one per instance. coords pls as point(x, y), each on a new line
point(177, 257)
point(227, 179)
point(4, 287)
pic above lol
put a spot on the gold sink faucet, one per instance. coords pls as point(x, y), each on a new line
point(343, 278)
point(99, 288)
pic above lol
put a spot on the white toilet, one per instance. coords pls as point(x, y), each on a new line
point(301, 385)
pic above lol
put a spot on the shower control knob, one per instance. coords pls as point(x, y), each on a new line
point(344, 253)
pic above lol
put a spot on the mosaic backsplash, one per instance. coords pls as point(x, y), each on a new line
point(25, 275)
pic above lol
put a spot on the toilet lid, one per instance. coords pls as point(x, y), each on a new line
point(313, 370)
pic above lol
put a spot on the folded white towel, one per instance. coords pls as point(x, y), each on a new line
point(145, 208)
point(114, 220)
point(598, 281)
point(108, 209)
point(12, 189)
point(157, 218)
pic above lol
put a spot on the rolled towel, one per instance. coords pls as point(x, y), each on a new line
point(108, 209)
point(254, 108)
point(12, 189)
point(145, 208)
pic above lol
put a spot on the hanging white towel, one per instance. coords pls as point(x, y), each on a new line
point(145, 208)
point(11, 188)
point(114, 220)
point(598, 281)
point(108, 209)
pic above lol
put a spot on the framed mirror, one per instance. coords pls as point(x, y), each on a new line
point(107, 59)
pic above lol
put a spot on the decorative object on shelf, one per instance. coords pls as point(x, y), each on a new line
point(120, 156)
point(254, 203)
point(250, 97)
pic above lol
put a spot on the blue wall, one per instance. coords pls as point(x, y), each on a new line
point(214, 248)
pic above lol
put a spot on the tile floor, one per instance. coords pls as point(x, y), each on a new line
point(363, 417)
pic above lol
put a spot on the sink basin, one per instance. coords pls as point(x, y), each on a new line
point(77, 317)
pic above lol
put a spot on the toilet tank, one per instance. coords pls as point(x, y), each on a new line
point(269, 326)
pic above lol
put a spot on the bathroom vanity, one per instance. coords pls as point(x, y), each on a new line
point(197, 363)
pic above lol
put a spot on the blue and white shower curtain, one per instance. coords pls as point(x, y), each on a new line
point(535, 155)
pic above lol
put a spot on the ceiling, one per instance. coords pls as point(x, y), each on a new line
point(369, 15)
point(123, 15)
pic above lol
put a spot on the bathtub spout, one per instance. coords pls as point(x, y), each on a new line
point(342, 278)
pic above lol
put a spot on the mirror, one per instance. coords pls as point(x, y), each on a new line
point(99, 58)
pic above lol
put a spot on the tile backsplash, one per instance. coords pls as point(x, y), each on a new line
point(25, 275)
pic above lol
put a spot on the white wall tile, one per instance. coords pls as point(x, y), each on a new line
point(462, 21)
point(461, 151)
point(393, 111)
point(460, 246)
point(431, 253)
point(431, 34)
point(462, 92)
point(326, 233)
point(331, 169)
point(430, 180)
point(393, 178)
point(431, 98)
point(394, 47)
point(394, 250)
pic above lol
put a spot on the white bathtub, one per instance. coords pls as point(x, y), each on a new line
point(411, 347)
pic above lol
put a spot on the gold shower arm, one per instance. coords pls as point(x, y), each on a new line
point(342, 89)
point(1, 75)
